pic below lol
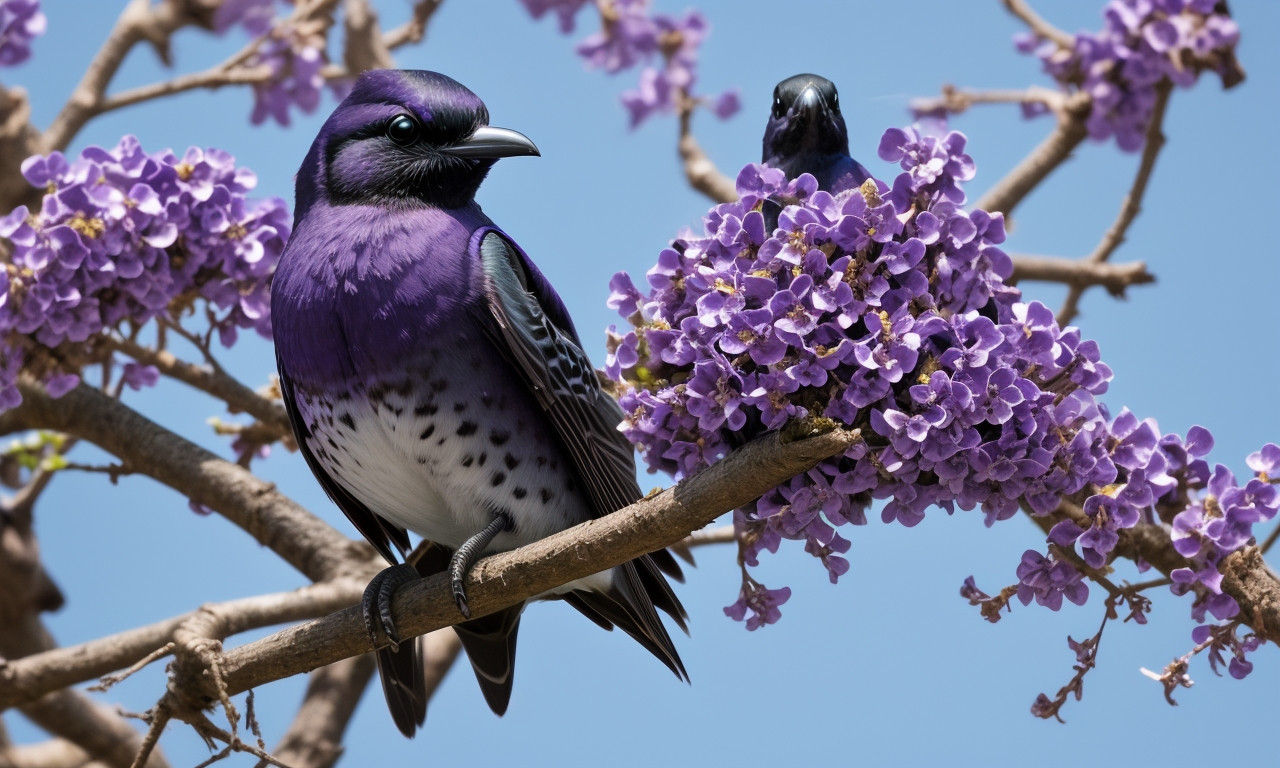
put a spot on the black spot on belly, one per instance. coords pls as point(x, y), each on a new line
point(499, 437)
point(346, 419)
point(519, 493)
point(467, 460)
point(459, 407)
point(498, 478)
point(467, 428)
point(546, 495)
point(428, 432)
point(483, 458)
point(511, 461)
point(440, 385)
point(426, 409)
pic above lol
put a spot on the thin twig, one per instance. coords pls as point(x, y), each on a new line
point(1080, 272)
point(699, 170)
point(1038, 25)
point(214, 381)
point(719, 535)
point(106, 681)
point(1132, 204)
point(957, 100)
point(415, 29)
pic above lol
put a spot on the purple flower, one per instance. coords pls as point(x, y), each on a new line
point(255, 15)
point(1142, 44)
point(762, 603)
point(294, 57)
point(565, 10)
point(104, 251)
point(1048, 581)
point(20, 22)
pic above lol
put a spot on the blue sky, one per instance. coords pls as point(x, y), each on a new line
point(890, 667)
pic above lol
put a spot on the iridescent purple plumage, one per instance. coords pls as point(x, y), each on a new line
point(434, 378)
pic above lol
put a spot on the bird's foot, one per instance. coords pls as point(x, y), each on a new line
point(376, 602)
point(468, 554)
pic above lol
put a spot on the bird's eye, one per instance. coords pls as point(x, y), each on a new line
point(779, 109)
point(835, 101)
point(403, 130)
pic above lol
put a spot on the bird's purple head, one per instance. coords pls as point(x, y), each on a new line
point(404, 137)
point(805, 121)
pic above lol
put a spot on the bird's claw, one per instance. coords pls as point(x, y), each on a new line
point(376, 603)
point(460, 595)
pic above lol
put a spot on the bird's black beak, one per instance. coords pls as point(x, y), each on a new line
point(810, 104)
point(491, 143)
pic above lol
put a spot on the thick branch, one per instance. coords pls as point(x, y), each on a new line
point(54, 753)
point(19, 139)
point(511, 577)
point(1047, 156)
point(1080, 273)
point(139, 21)
point(26, 679)
point(276, 521)
point(314, 739)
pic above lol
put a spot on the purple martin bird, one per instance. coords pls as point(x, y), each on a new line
point(435, 382)
point(806, 134)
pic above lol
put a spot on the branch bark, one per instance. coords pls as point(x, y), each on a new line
point(1048, 155)
point(238, 397)
point(1080, 272)
point(1038, 25)
point(276, 521)
point(508, 578)
point(699, 170)
point(1132, 205)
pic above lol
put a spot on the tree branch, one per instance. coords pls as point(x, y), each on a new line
point(238, 397)
point(314, 739)
point(1048, 155)
point(276, 521)
point(1080, 272)
point(1038, 25)
point(508, 578)
point(699, 170)
point(139, 21)
point(956, 100)
point(415, 29)
point(1132, 204)
point(26, 679)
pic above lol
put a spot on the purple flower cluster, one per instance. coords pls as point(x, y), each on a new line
point(885, 309)
point(631, 34)
point(256, 16)
point(1143, 43)
point(124, 236)
point(20, 22)
point(292, 53)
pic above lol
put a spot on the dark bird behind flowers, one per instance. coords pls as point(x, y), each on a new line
point(806, 133)
point(435, 381)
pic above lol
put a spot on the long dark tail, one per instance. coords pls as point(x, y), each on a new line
point(489, 641)
point(404, 684)
point(630, 604)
